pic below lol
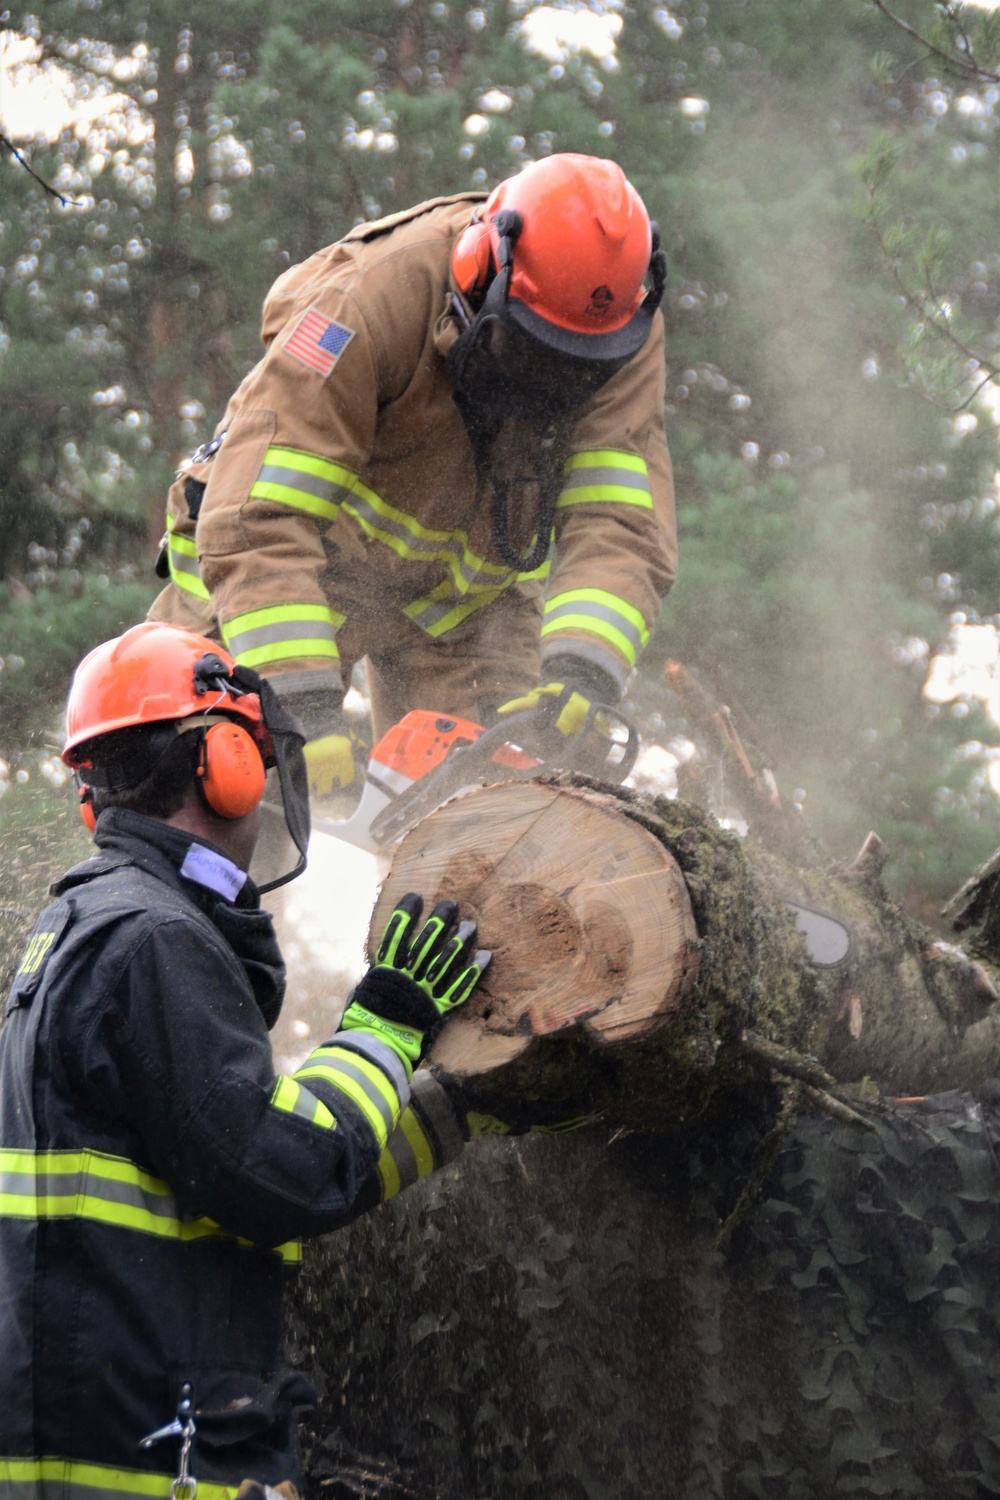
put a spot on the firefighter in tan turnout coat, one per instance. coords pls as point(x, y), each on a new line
point(444, 392)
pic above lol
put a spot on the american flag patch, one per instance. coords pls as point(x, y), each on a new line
point(318, 342)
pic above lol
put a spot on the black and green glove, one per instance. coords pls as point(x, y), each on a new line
point(420, 975)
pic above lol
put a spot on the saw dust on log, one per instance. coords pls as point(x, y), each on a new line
point(586, 913)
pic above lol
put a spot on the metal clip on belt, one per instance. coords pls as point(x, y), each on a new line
point(185, 1486)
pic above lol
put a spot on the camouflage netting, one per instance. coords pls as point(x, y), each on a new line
point(556, 1318)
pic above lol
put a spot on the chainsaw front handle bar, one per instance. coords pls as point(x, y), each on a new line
point(589, 749)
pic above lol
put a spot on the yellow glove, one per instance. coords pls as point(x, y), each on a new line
point(330, 764)
point(572, 713)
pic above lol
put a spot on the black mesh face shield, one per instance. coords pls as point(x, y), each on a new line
point(280, 853)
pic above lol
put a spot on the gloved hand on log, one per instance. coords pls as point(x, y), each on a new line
point(420, 975)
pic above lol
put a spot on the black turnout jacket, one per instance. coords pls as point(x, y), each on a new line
point(155, 1174)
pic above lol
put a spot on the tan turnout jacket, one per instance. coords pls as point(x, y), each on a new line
point(343, 517)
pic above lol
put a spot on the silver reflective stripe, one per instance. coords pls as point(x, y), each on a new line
point(284, 630)
point(380, 1053)
point(182, 561)
point(299, 479)
point(368, 1088)
point(306, 1105)
point(435, 1110)
point(595, 611)
point(626, 479)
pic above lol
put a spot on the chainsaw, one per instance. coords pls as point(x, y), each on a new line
point(428, 757)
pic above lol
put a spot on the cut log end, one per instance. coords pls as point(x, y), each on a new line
point(586, 913)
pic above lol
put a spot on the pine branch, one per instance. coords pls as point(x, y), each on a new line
point(46, 186)
point(924, 306)
point(968, 67)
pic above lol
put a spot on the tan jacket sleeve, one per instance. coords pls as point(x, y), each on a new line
point(616, 542)
point(296, 442)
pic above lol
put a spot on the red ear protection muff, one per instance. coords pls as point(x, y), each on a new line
point(87, 812)
point(472, 259)
point(231, 770)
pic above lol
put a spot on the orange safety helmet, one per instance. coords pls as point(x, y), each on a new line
point(151, 674)
point(162, 674)
point(562, 250)
point(170, 680)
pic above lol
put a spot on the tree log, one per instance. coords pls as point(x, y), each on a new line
point(586, 913)
point(637, 924)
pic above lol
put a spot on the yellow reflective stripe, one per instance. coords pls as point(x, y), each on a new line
point(605, 458)
point(362, 1081)
point(436, 614)
point(282, 632)
point(318, 486)
point(611, 604)
point(45, 1478)
point(388, 1173)
point(602, 475)
point(182, 559)
point(418, 1143)
point(604, 494)
point(104, 1189)
point(602, 614)
point(291, 1098)
point(408, 1156)
point(540, 572)
point(304, 481)
point(409, 539)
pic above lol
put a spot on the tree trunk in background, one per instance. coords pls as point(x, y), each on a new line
point(745, 1281)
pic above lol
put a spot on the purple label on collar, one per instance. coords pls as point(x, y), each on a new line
point(214, 871)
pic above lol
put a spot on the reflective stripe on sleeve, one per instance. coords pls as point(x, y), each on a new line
point(182, 559)
point(601, 614)
point(428, 1135)
point(106, 1189)
point(378, 1052)
point(291, 1098)
point(66, 1479)
point(408, 1156)
point(283, 632)
point(304, 481)
point(601, 475)
point(365, 1084)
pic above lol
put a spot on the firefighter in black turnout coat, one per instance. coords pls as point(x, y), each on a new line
point(155, 1173)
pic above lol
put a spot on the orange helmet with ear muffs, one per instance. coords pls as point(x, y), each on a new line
point(165, 681)
point(159, 674)
point(576, 243)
